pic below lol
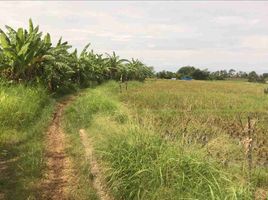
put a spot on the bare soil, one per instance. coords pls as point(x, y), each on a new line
point(59, 170)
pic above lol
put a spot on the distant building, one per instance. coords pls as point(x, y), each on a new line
point(173, 78)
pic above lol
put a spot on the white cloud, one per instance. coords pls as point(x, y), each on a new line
point(256, 42)
point(163, 34)
point(230, 20)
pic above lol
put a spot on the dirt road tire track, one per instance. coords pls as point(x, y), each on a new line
point(58, 172)
point(98, 181)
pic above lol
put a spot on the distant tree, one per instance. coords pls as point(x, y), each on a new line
point(216, 76)
point(265, 75)
point(241, 74)
point(165, 74)
point(254, 77)
point(224, 74)
point(186, 71)
point(200, 74)
point(231, 72)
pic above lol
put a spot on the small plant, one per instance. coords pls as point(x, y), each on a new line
point(266, 91)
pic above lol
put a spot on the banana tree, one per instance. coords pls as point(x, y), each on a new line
point(92, 67)
point(115, 65)
point(58, 67)
point(139, 71)
point(26, 55)
point(22, 52)
point(86, 66)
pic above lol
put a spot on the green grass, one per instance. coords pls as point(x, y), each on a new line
point(82, 187)
point(77, 116)
point(24, 115)
point(151, 147)
point(141, 165)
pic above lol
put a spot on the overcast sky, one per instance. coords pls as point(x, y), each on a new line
point(165, 35)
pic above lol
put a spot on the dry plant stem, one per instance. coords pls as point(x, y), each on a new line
point(250, 147)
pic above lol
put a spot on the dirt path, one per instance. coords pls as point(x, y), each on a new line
point(98, 183)
point(59, 168)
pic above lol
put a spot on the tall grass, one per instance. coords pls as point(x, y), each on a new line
point(138, 162)
point(20, 105)
point(24, 115)
point(142, 165)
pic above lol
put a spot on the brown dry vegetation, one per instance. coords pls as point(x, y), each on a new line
point(201, 111)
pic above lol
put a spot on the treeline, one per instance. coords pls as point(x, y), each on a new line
point(26, 56)
point(198, 74)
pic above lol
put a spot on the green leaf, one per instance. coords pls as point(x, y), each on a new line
point(36, 29)
point(64, 43)
point(47, 39)
point(31, 25)
point(49, 57)
point(24, 49)
point(11, 30)
point(85, 49)
point(30, 55)
point(20, 35)
point(10, 52)
point(4, 41)
point(59, 42)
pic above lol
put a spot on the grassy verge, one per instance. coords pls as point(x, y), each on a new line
point(77, 116)
point(81, 187)
point(138, 163)
point(24, 116)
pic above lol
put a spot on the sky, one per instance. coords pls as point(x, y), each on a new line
point(167, 35)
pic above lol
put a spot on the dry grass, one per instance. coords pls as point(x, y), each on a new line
point(210, 116)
